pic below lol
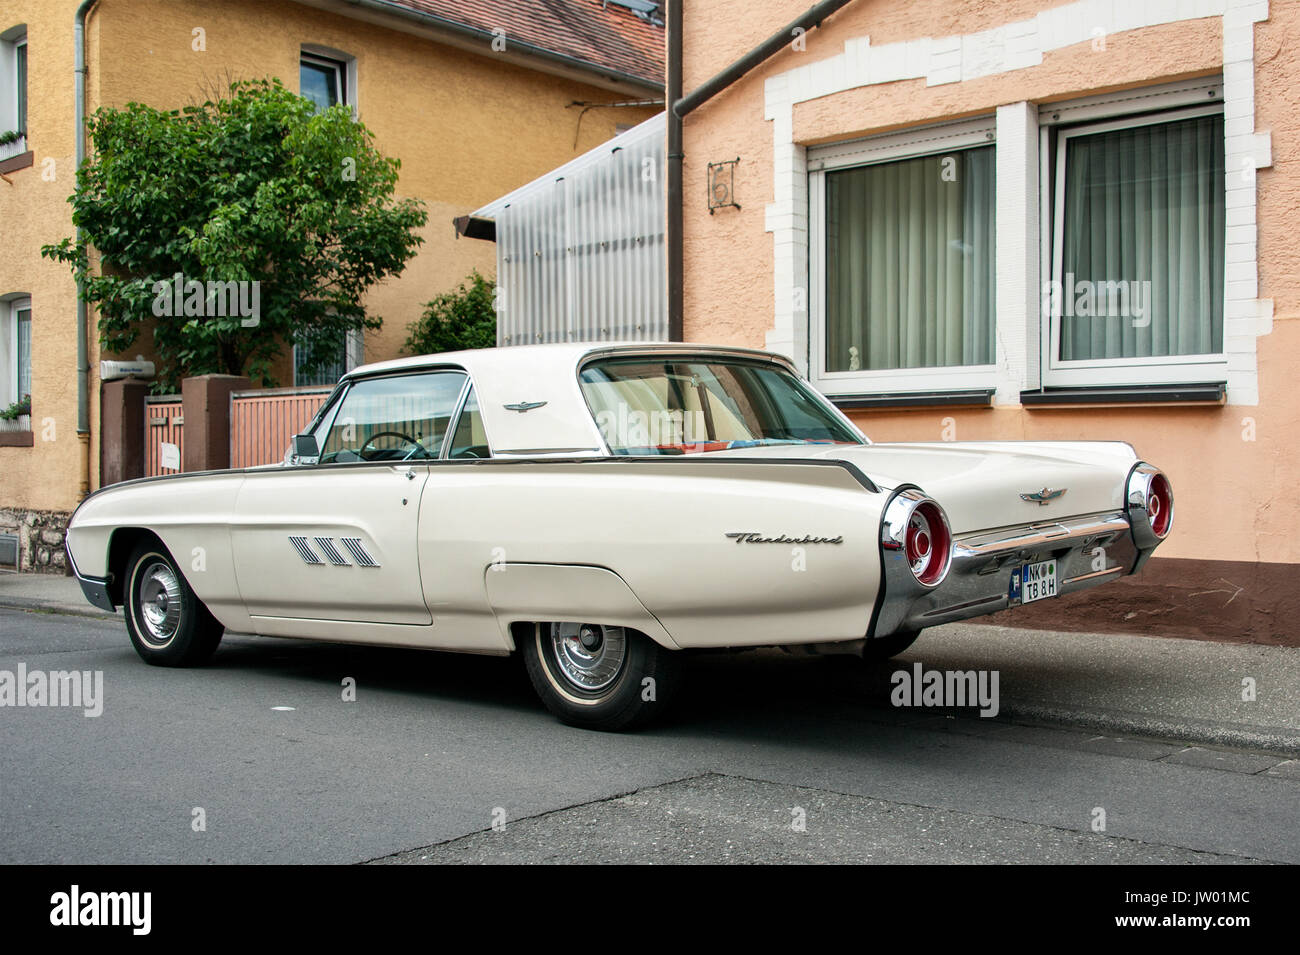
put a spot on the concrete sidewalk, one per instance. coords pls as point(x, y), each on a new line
point(1188, 691)
point(46, 592)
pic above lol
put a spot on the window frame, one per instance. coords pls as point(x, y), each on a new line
point(14, 96)
point(9, 351)
point(929, 140)
point(323, 424)
point(1101, 372)
point(21, 103)
point(344, 63)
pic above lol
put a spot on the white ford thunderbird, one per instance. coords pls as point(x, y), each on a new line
point(601, 508)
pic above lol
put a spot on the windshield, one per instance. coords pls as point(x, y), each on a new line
point(685, 406)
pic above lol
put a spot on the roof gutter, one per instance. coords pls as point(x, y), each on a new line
point(681, 105)
point(392, 9)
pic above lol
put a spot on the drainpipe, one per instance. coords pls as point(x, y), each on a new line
point(681, 105)
point(83, 359)
point(673, 227)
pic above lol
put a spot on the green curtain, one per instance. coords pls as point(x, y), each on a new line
point(1144, 208)
point(910, 263)
point(23, 317)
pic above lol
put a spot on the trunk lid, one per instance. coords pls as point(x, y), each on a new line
point(980, 485)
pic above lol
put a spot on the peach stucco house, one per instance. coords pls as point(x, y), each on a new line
point(1031, 219)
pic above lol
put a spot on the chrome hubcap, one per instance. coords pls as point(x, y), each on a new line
point(588, 655)
point(159, 597)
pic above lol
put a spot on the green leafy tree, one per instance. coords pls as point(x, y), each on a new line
point(457, 320)
point(253, 186)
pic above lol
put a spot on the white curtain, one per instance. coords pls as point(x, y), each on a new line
point(909, 263)
point(1144, 207)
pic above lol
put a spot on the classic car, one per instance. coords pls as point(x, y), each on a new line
point(601, 509)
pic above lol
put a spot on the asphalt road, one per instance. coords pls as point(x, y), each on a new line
point(769, 758)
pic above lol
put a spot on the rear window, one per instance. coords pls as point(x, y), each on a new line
point(684, 406)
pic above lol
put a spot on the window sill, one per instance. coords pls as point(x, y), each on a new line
point(14, 163)
point(1205, 393)
point(973, 398)
point(16, 439)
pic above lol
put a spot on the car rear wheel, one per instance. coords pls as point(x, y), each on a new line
point(169, 626)
point(882, 648)
point(600, 677)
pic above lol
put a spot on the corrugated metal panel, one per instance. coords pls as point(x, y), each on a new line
point(580, 252)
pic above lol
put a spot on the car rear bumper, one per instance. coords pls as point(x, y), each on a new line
point(1088, 551)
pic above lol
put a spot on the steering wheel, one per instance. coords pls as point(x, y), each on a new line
point(361, 452)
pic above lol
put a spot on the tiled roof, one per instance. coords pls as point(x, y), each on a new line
point(610, 37)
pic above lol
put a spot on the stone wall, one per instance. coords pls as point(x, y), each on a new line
point(40, 539)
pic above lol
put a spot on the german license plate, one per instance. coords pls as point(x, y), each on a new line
point(1031, 582)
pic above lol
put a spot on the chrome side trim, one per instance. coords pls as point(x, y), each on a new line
point(304, 550)
point(359, 552)
point(331, 552)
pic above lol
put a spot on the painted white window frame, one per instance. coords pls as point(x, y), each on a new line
point(10, 41)
point(9, 371)
point(1096, 114)
point(888, 147)
point(344, 63)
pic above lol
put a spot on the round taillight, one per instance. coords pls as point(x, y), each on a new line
point(927, 543)
point(1160, 505)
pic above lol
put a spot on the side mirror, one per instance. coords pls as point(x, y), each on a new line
point(305, 449)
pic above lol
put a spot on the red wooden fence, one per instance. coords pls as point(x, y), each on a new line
point(263, 423)
point(164, 423)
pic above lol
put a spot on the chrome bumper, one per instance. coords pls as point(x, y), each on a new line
point(1088, 551)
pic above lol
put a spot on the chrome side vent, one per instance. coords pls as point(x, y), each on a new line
point(326, 544)
point(304, 550)
point(359, 552)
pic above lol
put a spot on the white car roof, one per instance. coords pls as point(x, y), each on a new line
point(542, 373)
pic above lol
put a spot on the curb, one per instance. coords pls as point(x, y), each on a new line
point(1272, 740)
point(33, 605)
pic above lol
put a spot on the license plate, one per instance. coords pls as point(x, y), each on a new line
point(1032, 582)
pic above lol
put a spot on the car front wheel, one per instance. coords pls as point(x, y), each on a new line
point(169, 626)
point(600, 677)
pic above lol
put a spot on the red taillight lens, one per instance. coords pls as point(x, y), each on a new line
point(1160, 505)
point(927, 543)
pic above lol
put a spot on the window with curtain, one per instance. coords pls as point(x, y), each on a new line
point(909, 263)
point(23, 321)
point(1138, 257)
point(20, 63)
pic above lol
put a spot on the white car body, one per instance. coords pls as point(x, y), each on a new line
point(554, 527)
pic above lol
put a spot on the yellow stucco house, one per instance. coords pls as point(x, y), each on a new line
point(475, 97)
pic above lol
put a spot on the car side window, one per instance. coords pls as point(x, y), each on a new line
point(395, 418)
point(470, 440)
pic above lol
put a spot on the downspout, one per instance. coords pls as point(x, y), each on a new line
point(681, 105)
point(673, 227)
point(83, 358)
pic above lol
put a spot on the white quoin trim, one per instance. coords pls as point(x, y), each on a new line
point(1002, 49)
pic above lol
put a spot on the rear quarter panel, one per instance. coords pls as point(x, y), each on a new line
point(662, 527)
